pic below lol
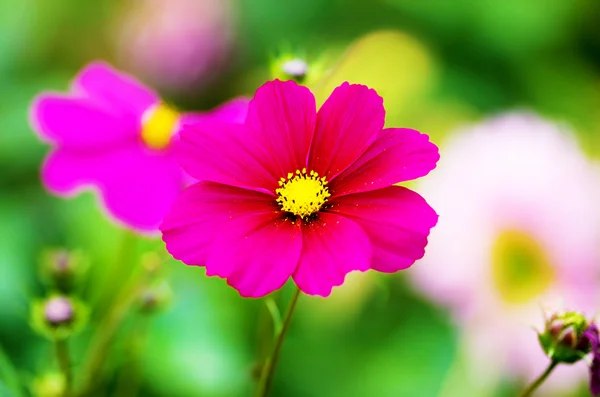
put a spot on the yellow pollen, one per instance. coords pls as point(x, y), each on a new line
point(302, 193)
point(158, 126)
point(521, 269)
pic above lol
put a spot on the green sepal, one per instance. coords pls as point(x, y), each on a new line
point(61, 331)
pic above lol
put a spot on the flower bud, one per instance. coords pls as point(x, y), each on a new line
point(296, 68)
point(563, 338)
point(61, 261)
point(58, 311)
point(61, 269)
point(292, 66)
point(151, 263)
point(155, 297)
point(58, 316)
point(48, 385)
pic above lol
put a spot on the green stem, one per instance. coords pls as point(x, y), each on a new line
point(106, 331)
point(538, 382)
point(275, 315)
point(129, 381)
point(116, 269)
point(64, 363)
point(270, 364)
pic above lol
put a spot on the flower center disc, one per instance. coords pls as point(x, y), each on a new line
point(520, 267)
point(302, 193)
point(158, 126)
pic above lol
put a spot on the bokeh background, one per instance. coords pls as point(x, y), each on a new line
point(448, 63)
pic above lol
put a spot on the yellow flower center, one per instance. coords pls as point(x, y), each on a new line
point(158, 126)
point(302, 193)
point(520, 268)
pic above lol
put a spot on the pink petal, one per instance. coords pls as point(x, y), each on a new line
point(398, 155)
point(80, 123)
point(257, 253)
point(136, 185)
point(347, 123)
point(397, 221)
point(225, 153)
point(332, 246)
point(100, 81)
point(233, 111)
point(199, 214)
point(282, 116)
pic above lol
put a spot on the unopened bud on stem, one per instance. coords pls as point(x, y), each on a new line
point(58, 316)
point(58, 311)
point(61, 269)
point(563, 337)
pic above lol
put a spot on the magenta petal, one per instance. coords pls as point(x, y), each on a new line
point(257, 253)
point(347, 123)
point(137, 186)
point(282, 118)
point(397, 221)
point(591, 336)
point(332, 247)
point(81, 123)
point(199, 214)
point(398, 155)
point(224, 153)
point(100, 81)
point(233, 111)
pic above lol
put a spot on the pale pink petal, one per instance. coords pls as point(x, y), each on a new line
point(100, 81)
point(332, 246)
point(199, 214)
point(398, 155)
point(257, 253)
point(282, 118)
point(233, 111)
point(397, 221)
point(137, 185)
point(347, 124)
point(225, 153)
point(81, 123)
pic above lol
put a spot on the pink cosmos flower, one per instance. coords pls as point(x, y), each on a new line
point(298, 193)
point(114, 134)
point(519, 228)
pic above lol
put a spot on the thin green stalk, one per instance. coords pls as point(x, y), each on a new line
point(107, 328)
point(270, 364)
point(129, 382)
point(538, 382)
point(116, 269)
point(275, 315)
point(64, 363)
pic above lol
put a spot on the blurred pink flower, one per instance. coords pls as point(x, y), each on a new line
point(177, 44)
point(519, 228)
point(299, 193)
point(112, 133)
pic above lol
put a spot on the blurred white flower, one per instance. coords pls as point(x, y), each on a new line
point(519, 228)
point(176, 44)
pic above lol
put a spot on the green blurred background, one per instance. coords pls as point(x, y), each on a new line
point(453, 61)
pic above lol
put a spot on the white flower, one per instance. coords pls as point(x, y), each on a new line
point(519, 227)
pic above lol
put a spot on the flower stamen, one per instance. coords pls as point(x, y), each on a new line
point(158, 126)
point(302, 193)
